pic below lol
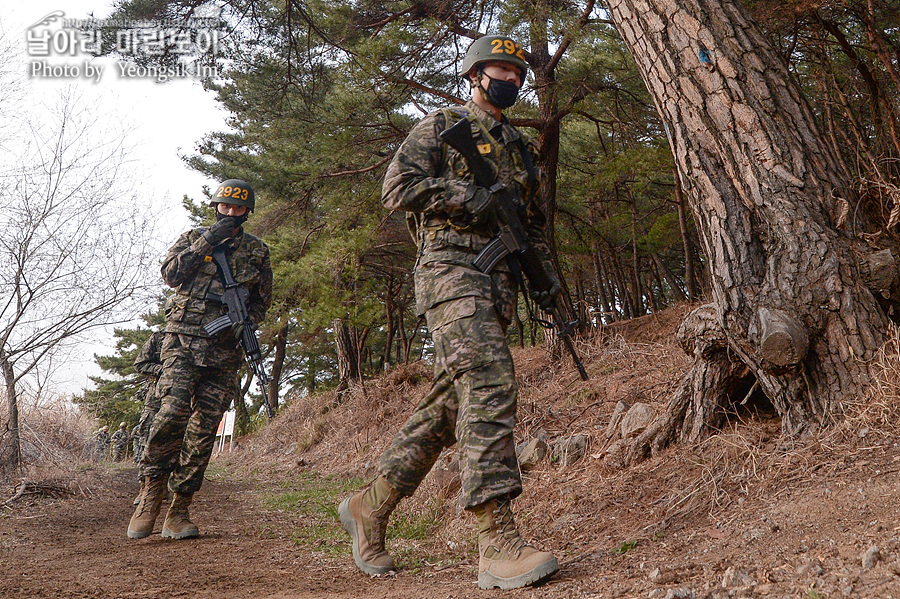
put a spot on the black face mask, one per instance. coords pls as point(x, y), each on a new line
point(502, 94)
point(238, 220)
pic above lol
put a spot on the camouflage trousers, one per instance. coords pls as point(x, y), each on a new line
point(145, 422)
point(472, 402)
point(192, 401)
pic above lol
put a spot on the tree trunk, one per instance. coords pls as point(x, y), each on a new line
point(10, 447)
point(278, 364)
point(690, 276)
point(390, 320)
point(789, 308)
point(347, 354)
point(241, 414)
point(623, 295)
point(671, 282)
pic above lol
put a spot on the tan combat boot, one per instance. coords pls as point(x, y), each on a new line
point(137, 499)
point(365, 516)
point(506, 560)
point(178, 523)
point(144, 518)
point(166, 495)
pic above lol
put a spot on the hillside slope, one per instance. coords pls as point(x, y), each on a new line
point(744, 509)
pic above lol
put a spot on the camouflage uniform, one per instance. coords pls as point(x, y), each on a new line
point(119, 443)
point(101, 443)
point(149, 364)
point(137, 444)
point(199, 373)
point(473, 398)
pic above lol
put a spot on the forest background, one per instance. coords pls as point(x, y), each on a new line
point(320, 96)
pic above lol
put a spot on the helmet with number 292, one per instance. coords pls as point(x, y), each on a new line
point(494, 47)
point(234, 191)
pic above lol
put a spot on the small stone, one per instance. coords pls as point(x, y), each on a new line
point(531, 453)
point(736, 578)
point(636, 419)
point(568, 450)
point(681, 593)
point(872, 557)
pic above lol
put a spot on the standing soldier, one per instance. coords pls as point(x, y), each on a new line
point(149, 365)
point(472, 401)
point(199, 372)
point(120, 442)
point(136, 445)
point(101, 442)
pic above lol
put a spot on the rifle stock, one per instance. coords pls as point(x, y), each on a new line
point(511, 239)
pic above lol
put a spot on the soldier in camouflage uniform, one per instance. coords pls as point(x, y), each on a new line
point(148, 364)
point(199, 373)
point(119, 442)
point(472, 401)
point(137, 446)
point(101, 442)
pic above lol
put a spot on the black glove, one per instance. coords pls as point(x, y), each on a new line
point(480, 207)
point(545, 299)
point(219, 232)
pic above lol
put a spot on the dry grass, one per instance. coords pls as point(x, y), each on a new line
point(875, 414)
point(55, 439)
point(53, 433)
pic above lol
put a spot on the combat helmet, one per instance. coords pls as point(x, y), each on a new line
point(234, 191)
point(494, 47)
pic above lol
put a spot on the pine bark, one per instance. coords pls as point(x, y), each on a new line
point(346, 347)
point(788, 309)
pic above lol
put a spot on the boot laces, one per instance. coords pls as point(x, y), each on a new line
point(506, 527)
point(378, 520)
point(145, 503)
point(379, 527)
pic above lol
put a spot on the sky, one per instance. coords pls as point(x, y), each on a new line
point(164, 122)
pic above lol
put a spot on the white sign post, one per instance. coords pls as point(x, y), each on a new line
point(226, 428)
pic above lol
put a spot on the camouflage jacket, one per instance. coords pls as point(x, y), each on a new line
point(148, 361)
point(119, 438)
point(189, 269)
point(431, 182)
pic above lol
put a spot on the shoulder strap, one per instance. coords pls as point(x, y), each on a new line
point(529, 167)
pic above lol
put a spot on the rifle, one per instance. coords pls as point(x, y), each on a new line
point(511, 239)
point(235, 299)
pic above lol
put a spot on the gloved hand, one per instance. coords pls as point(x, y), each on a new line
point(545, 299)
point(219, 232)
point(480, 207)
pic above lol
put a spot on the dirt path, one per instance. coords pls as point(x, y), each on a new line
point(77, 549)
point(808, 539)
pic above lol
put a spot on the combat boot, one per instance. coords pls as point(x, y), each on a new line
point(365, 516)
point(140, 494)
point(144, 518)
point(505, 559)
point(178, 523)
point(166, 495)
